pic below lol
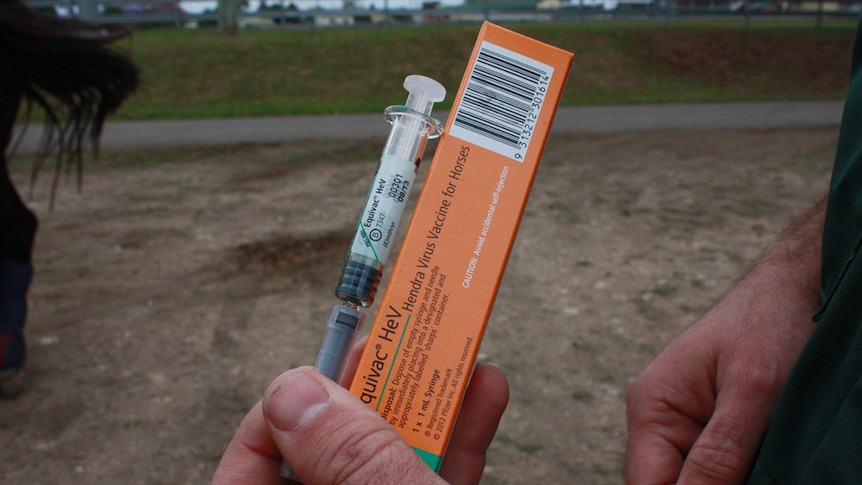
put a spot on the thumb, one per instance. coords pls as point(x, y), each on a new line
point(327, 435)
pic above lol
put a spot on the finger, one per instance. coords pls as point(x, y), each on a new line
point(659, 438)
point(724, 453)
point(664, 422)
point(251, 456)
point(327, 435)
point(484, 402)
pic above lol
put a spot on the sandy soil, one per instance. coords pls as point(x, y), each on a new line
point(182, 281)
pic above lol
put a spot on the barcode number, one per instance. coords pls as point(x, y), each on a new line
point(502, 101)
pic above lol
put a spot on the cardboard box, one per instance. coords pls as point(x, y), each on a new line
point(423, 342)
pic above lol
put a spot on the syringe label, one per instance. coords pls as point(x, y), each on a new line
point(502, 100)
point(384, 206)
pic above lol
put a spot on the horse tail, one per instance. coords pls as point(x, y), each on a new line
point(66, 68)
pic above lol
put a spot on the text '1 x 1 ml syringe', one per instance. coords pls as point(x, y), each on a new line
point(412, 127)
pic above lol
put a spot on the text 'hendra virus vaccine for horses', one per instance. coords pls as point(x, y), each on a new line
point(426, 335)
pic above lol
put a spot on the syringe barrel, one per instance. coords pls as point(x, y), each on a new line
point(408, 136)
point(384, 206)
point(376, 231)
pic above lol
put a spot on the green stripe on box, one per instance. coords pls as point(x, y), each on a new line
point(430, 458)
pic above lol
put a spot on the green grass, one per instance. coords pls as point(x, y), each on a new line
point(200, 74)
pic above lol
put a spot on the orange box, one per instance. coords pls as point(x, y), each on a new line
point(424, 339)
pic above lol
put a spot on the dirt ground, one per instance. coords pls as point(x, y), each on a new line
point(180, 282)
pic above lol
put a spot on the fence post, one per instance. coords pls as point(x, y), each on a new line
point(819, 14)
point(228, 17)
point(178, 16)
point(88, 10)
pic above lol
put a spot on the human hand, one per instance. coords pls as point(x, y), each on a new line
point(699, 411)
point(697, 414)
point(327, 435)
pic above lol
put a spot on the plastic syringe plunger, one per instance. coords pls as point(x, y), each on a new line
point(343, 324)
point(411, 124)
point(378, 225)
point(424, 92)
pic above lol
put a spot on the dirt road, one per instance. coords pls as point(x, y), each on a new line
point(183, 280)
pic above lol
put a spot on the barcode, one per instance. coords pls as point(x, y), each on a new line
point(502, 101)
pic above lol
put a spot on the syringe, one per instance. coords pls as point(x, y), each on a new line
point(375, 233)
point(412, 127)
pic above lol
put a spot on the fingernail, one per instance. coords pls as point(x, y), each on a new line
point(294, 401)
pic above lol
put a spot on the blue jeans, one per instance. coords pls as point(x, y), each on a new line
point(14, 281)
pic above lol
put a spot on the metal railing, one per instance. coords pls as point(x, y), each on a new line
point(327, 13)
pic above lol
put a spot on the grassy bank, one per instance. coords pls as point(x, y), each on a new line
point(199, 74)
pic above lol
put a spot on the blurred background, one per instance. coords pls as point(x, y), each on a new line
point(187, 275)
